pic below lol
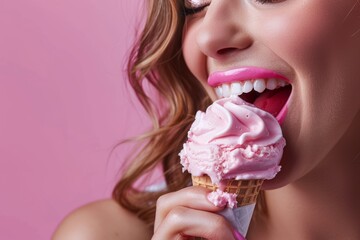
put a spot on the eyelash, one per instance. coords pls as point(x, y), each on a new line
point(192, 11)
point(267, 1)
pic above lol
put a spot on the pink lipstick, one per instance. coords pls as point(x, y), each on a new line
point(242, 74)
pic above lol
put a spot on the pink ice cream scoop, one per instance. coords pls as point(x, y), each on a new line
point(233, 140)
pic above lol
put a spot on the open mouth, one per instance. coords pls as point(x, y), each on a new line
point(270, 95)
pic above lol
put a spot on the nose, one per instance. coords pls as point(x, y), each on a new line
point(222, 29)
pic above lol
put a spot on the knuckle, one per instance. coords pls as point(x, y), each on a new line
point(162, 201)
point(218, 223)
point(177, 215)
point(216, 228)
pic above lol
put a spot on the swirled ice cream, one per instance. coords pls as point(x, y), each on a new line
point(233, 140)
point(231, 149)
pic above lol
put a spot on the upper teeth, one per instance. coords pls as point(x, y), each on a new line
point(238, 88)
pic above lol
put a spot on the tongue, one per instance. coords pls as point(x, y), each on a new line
point(273, 101)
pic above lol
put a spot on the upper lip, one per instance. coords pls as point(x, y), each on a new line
point(242, 74)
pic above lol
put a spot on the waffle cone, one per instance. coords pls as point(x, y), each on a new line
point(246, 190)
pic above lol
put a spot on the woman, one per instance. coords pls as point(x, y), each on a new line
point(315, 45)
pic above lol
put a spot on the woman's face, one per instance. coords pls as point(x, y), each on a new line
point(311, 46)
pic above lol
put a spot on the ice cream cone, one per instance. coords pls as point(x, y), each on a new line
point(246, 194)
point(246, 190)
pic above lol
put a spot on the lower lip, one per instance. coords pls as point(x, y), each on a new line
point(282, 114)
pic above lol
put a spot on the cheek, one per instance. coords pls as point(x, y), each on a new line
point(319, 45)
point(311, 31)
point(297, 42)
point(315, 42)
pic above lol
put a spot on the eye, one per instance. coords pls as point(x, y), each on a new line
point(192, 7)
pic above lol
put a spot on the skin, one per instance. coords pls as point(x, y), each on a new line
point(317, 54)
point(188, 213)
point(104, 220)
point(315, 44)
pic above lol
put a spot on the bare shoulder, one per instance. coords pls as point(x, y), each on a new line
point(105, 220)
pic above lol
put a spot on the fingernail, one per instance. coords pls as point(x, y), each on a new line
point(238, 235)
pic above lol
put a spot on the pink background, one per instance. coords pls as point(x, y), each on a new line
point(63, 105)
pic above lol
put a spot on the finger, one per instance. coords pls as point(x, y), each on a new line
point(238, 235)
point(191, 197)
point(182, 222)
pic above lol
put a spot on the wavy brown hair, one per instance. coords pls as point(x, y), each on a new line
point(156, 59)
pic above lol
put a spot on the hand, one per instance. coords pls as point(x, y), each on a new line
point(188, 213)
